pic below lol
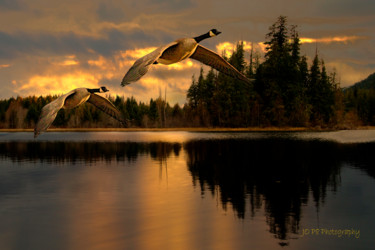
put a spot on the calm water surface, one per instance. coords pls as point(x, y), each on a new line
point(185, 190)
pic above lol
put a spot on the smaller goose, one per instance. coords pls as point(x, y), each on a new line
point(73, 99)
point(178, 51)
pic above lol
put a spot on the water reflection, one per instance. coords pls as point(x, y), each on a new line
point(72, 152)
point(277, 172)
point(276, 177)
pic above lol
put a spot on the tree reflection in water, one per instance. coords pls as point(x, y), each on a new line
point(87, 151)
point(274, 174)
point(278, 172)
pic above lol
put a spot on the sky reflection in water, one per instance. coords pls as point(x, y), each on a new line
point(184, 190)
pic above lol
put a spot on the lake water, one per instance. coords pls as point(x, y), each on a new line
point(187, 190)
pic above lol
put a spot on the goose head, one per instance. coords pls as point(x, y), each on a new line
point(214, 32)
point(103, 89)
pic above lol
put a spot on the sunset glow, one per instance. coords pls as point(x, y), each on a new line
point(70, 60)
point(56, 85)
point(104, 68)
point(227, 48)
point(337, 39)
point(137, 53)
point(98, 41)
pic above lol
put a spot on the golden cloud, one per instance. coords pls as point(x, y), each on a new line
point(55, 80)
point(152, 86)
point(336, 39)
point(101, 62)
point(4, 65)
point(262, 47)
point(69, 63)
point(348, 71)
point(137, 53)
point(67, 60)
point(227, 48)
point(56, 84)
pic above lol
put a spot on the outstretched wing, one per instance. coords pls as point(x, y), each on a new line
point(49, 113)
point(107, 107)
point(142, 65)
point(214, 60)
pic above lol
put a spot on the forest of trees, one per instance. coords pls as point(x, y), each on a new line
point(288, 90)
point(360, 100)
point(24, 113)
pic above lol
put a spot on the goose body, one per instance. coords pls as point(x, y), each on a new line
point(73, 99)
point(179, 50)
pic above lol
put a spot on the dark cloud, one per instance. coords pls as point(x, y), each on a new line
point(10, 5)
point(173, 4)
point(108, 12)
point(348, 7)
point(22, 43)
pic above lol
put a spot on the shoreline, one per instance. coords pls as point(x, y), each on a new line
point(189, 129)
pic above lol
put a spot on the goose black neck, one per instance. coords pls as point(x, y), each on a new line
point(202, 37)
point(93, 90)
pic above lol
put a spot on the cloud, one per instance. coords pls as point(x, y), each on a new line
point(10, 4)
point(59, 74)
point(347, 7)
point(336, 39)
point(349, 72)
point(69, 60)
point(96, 42)
point(108, 11)
point(55, 84)
point(20, 44)
point(227, 48)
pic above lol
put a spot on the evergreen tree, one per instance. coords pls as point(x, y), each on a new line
point(313, 89)
point(192, 93)
point(153, 111)
point(274, 73)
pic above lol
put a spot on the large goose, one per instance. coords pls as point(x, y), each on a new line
point(73, 99)
point(178, 51)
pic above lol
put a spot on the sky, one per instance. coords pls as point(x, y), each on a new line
point(52, 47)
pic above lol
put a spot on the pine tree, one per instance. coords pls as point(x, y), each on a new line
point(192, 94)
point(313, 92)
point(274, 73)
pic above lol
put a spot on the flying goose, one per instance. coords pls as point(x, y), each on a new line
point(73, 99)
point(179, 50)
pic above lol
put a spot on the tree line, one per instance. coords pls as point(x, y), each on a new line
point(287, 91)
point(24, 113)
point(360, 101)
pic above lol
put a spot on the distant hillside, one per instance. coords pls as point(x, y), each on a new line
point(359, 101)
point(368, 83)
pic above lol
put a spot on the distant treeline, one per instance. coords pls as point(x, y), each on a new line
point(24, 113)
point(287, 91)
point(360, 100)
